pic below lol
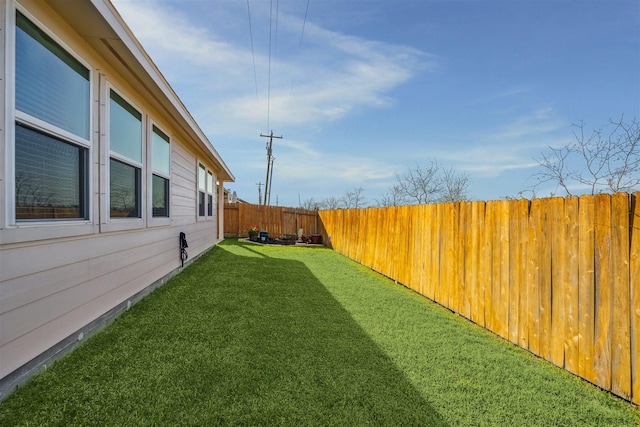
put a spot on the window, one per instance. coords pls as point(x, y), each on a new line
point(202, 187)
point(161, 164)
point(160, 196)
point(209, 194)
point(52, 128)
point(51, 85)
point(50, 177)
point(124, 183)
point(125, 170)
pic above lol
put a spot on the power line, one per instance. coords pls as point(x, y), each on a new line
point(304, 23)
point(253, 55)
point(269, 70)
point(277, 14)
point(273, 39)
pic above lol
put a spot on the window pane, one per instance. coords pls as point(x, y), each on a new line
point(209, 182)
point(125, 190)
point(201, 203)
point(50, 84)
point(160, 152)
point(202, 178)
point(50, 176)
point(160, 196)
point(210, 205)
point(125, 129)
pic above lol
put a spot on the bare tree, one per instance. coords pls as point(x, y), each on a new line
point(29, 193)
point(421, 184)
point(310, 204)
point(354, 199)
point(623, 172)
point(393, 197)
point(607, 160)
point(331, 202)
point(455, 186)
point(427, 184)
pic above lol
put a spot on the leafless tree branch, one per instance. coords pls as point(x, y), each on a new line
point(608, 159)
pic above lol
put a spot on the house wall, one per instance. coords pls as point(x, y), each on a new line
point(57, 277)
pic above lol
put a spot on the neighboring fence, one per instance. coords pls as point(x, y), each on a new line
point(558, 277)
point(277, 220)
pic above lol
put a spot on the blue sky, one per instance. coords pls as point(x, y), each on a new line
point(373, 87)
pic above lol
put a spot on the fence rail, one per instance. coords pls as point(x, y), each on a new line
point(277, 220)
point(559, 277)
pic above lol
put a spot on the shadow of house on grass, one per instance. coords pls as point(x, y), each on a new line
point(296, 350)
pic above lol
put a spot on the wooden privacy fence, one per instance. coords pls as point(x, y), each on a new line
point(277, 220)
point(559, 277)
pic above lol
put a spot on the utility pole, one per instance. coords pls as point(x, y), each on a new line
point(267, 185)
point(259, 184)
point(273, 159)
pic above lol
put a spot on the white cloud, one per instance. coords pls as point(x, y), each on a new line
point(513, 146)
point(531, 126)
point(329, 78)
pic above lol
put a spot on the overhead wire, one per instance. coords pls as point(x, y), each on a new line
point(277, 14)
point(273, 39)
point(304, 23)
point(253, 55)
point(270, 158)
point(269, 69)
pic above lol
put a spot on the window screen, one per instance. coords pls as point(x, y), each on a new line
point(209, 194)
point(50, 177)
point(51, 85)
point(125, 190)
point(160, 152)
point(160, 196)
point(125, 141)
point(161, 164)
point(125, 130)
point(202, 186)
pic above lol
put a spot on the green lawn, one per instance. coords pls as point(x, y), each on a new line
point(263, 335)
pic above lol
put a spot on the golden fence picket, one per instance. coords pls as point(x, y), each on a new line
point(466, 267)
point(634, 278)
point(533, 276)
point(586, 284)
point(620, 320)
point(558, 261)
point(570, 277)
point(602, 344)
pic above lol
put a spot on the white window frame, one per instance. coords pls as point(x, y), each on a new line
point(11, 229)
point(201, 187)
point(127, 223)
point(211, 194)
point(157, 221)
